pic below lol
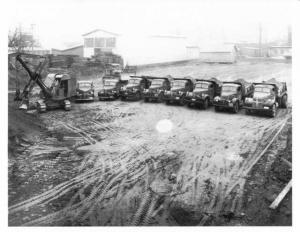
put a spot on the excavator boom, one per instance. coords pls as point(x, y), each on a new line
point(35, 76)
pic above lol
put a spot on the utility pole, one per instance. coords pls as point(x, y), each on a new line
point(289, 35)
point(260, 40)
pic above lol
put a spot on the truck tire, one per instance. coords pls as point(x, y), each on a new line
point(160, 97)
point(236, 108)
point(41, 107)
point(139, 96)
point(181, 101)
point(146, 99)
point(123, 98)
point(205, 104)
point(217, 109)
point(168, 102)
point(67, 105)
point(248, 112)
point(273, 112)
point(284, 102)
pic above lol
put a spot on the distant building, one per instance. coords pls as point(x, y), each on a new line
point(192, 52)
point(277, 51)
point(76, 50)
point(134, 48)
point(225, 53)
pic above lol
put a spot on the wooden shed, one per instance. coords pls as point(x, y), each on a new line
point(226, 53)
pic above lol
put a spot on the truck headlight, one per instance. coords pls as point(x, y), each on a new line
point(270, 102)
point(249, 100)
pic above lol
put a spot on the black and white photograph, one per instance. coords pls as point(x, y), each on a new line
point(149, 113)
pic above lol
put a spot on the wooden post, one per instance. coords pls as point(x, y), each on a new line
point(281, 195)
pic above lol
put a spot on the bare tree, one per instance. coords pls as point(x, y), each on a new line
point(20, 41)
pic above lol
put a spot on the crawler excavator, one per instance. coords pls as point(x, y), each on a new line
point(55, 96)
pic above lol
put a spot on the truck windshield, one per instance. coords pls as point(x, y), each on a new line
point(201, 86)
point(228, 90)
point(85, 85)
point(134, 81)
point(178, 84)
point(262, 92)
point(156, 83)
point(109, 83)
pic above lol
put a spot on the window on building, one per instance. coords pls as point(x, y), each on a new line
point(99, 42)
point(89, 42)
point(111, 42)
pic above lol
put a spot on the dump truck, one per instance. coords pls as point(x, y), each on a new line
point(113, 81)
point(134, 89)
point(57, 95)
point(204, 93)
point(233, 94)
point(266, 98)
point(179, 88)
point(85, 91)
point(158, 85)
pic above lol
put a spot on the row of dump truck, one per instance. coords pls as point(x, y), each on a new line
point(265, 97)
point(59, 89)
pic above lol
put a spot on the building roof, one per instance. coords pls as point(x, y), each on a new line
point(218, 48)
point(281, 46)
point(96, 30)
point(67, 49)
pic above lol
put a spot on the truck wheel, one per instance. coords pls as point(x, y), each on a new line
point(205, 104)
point(236, 108)
point(168, 102)
point(273, 112)
point(67, 105)
point(41, 108)
point(217, 108)
point(284, 102)
point(123, 98)
point(146, 99)
point(181, 102)
point(160, 98)
point(248, 112)
point(139, 96)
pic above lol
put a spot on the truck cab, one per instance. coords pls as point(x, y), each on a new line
point(204, 92)
point(134, 89)
point(232, 95)
point(84, 91)
point(179, 88)
point(110, 88)
point(157, 86)
point(267, 98)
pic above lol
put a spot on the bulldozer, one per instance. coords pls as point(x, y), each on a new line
point(56, 95)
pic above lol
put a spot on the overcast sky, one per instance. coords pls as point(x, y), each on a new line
point(59, 23)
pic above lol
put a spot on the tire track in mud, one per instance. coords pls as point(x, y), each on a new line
point(106, 169)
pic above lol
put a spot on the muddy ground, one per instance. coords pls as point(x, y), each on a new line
point(106, 163)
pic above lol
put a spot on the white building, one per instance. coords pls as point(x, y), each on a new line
point(225, 53)
point(136, 49)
